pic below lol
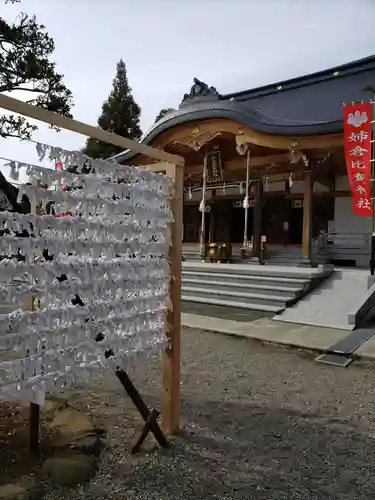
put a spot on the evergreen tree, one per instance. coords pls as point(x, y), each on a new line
point(120, 115)
point(25, 50)
point(163, 112)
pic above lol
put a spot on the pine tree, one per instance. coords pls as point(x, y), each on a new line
point(120, 115)
point(25, 51)
point(163, 112)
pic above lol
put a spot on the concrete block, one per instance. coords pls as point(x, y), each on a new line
point(370, 281)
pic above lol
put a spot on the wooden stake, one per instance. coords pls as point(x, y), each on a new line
point(34, 429)
point(150, 418)
point(34, 411)
point(307, 216)
point(149, 425)
point(171, 357)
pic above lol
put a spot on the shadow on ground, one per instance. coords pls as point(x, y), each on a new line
point(241, 451)
point(258, 422)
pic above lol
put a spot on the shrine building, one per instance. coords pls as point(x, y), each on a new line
point(265, 167)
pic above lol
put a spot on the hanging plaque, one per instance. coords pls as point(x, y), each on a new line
point(214, 167)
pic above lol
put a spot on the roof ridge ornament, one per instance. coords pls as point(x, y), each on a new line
point(201, 91)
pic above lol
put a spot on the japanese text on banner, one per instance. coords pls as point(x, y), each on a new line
point(357, 140)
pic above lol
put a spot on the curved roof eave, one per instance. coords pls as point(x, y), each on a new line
point(239, 113)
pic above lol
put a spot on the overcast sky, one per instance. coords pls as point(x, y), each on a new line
point(232, 45)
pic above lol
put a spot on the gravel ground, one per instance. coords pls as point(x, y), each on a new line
point(259, 422)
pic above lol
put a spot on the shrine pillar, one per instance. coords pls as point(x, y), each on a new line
point(243, 149)
point(202, 209)
point(307, 216)
point(211, 230)
point(258, 218)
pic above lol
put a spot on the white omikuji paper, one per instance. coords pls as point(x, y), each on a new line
point(111, 253)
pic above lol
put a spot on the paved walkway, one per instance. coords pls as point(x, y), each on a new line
point(266, 330)
point(332, 302)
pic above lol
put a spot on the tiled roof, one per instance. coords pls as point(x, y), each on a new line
point(307, 105)
point(313, 99)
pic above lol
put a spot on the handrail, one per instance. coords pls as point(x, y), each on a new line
point(339, 238)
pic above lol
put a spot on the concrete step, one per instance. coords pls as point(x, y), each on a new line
point(284, 255)
point(249, 279)
point(284, 252)
point(192, 258)
point(269, 288)
point(274, 271)
point(235, 304)
point(232, 296)
point(283, 261)
point(263, 289)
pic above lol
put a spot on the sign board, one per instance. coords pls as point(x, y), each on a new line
point(357, 142)
point(239, 203)
point(297, 203)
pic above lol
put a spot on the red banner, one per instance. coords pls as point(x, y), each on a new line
point(357, 140)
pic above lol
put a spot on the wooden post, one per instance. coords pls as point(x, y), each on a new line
point(202, 207)
point(34, 411)
point(246, 204)
point(307, 217)
point(211, 232)
point(171, 358)
point(34, 427)
point(258, 212)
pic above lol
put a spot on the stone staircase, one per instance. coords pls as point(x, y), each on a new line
point(280, 255)
point(248, 286)
point(284, 256)
point(191, 252)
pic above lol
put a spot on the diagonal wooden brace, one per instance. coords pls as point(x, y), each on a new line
point(150, 423)
point(150, 418)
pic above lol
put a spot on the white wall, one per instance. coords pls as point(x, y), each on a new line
point(345, 220)
point(197, 196)
point(299, 186)
point(348, 223)
point(271, 187)
point(342, 183)
point(350, 241)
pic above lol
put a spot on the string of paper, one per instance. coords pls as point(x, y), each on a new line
point(100, 277)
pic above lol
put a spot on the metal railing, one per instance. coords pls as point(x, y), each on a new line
point(350, 240)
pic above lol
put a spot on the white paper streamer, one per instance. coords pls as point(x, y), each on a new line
point(101, 276)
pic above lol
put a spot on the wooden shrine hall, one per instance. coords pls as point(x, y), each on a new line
point(265, 164)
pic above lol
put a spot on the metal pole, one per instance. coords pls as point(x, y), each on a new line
point(372, 258)
point(202, 208)
point(246, 200)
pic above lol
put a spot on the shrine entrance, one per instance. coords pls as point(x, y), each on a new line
point(295, 222)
